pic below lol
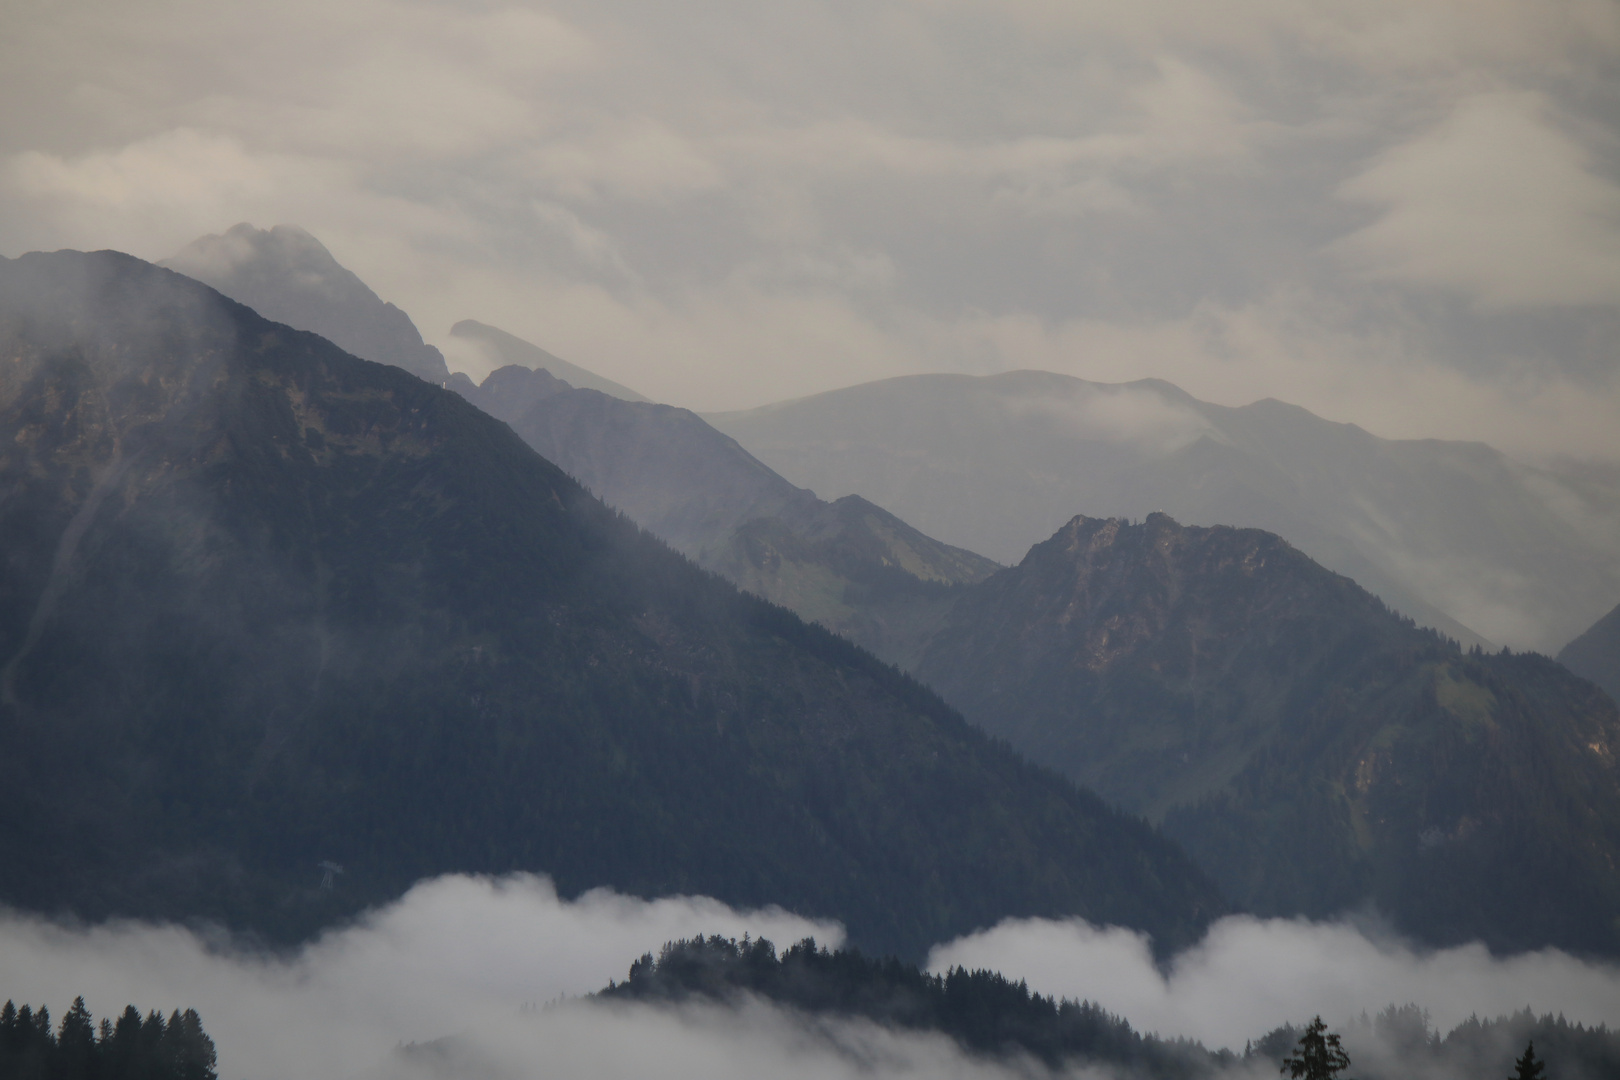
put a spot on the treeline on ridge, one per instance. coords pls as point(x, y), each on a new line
point(989, 1015)
point(983, 1011)
point(131, 1048)
point(1399, 1043)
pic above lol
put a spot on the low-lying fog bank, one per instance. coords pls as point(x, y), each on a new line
point(470, 961)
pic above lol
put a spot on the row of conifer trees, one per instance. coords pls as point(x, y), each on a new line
point(131, 1048)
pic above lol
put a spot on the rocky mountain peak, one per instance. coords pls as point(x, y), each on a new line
point(287, 275)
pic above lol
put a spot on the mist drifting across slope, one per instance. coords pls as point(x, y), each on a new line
point(457, 959)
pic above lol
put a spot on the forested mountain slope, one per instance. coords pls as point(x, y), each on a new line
point(1311, 749)
point(265, 607)
point(983, 1012)
point(1455, 535)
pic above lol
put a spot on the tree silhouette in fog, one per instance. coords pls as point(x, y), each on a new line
point(133, 1048)
point(1528, 1067)
point(1318, 1055)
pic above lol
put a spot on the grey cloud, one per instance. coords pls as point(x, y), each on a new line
point(727, 204)
point(1250, 975)
point(451, 953)
point(1496, 203)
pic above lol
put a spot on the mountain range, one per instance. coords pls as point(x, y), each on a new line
point(1455, 535)
point(285, 631)
point(850, 565)
point(1313, 750)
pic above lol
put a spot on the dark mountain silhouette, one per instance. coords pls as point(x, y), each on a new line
point(1453, 534)
point(287, 275)
point(1595, 654)
point(501, 349)
point(1311, 749)
point(266, 607)
point(849, 565)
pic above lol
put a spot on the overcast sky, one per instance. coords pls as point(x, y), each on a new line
point(1399, 213)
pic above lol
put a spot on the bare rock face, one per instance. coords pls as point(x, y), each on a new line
point(287, 275)
point(1312, 750)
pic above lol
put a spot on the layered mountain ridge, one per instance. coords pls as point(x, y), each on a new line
point(849, 565)
point(1455, 535)
point(1313, 750)
point(501, 350)
point(271, 609)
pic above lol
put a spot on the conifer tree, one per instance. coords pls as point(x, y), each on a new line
point(76, 1043)
point(1319, 1056)
point(1528, 1067)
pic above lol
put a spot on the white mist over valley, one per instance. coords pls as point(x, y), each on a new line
point(488, 977)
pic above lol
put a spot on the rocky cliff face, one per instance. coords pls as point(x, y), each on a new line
point(1311, 749)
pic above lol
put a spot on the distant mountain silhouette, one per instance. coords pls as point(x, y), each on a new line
point(1595, 654)
point(1453, 534)
point(287, 275)
point(849, 565)
point(1311, 749)
point(504, 350)
point(853, 567)
point(270, 609)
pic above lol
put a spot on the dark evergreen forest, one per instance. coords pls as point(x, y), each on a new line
point(988, 1014)
point(983, 1011)
point(130, 1048)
